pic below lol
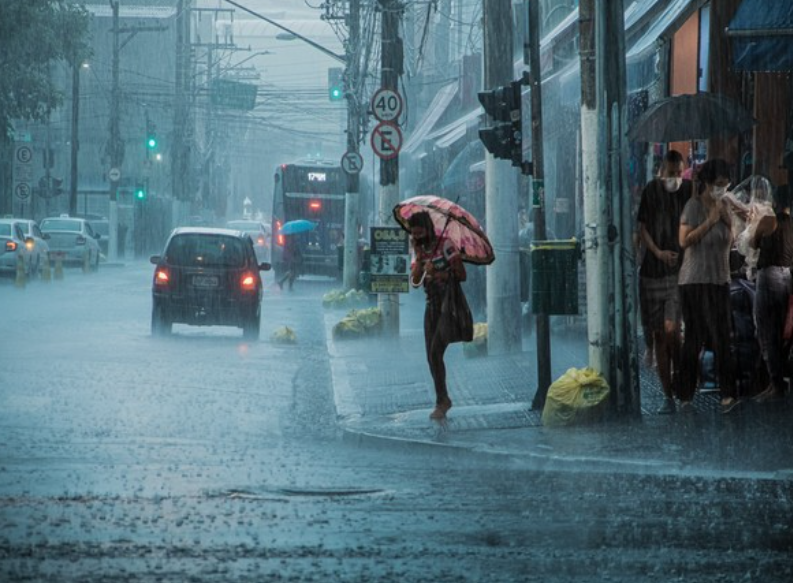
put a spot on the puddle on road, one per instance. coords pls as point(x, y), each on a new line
point(282, 494)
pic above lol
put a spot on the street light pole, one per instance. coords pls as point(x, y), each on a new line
point(75, 146)
point(351, 208)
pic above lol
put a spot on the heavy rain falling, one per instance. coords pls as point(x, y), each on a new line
point(385, 290)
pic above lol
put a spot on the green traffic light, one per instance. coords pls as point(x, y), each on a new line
point(335, 93)
point(151, 143)
point(140, 194)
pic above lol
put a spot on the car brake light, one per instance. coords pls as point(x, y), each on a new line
point(248, 282)
point(279, 238)
point(80, 240)
point(11, 246)
point(260, 240)
point(315, 205)
point(161, 277)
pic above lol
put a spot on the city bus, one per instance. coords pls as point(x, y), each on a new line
point(313, 190)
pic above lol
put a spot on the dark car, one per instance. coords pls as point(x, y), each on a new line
point(207, 277)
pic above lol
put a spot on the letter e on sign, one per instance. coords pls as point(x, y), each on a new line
point(386, 140)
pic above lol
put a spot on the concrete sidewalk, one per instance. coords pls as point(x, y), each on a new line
point(383, 393)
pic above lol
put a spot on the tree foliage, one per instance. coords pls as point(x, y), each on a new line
point(34, 34)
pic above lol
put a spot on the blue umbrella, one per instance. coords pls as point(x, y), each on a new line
point(298, 226)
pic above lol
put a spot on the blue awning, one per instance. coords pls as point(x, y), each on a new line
point(762, 36)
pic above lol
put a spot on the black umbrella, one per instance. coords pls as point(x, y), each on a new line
point(691, 117)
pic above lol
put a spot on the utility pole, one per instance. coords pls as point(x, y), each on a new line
point(610, 263)
point(115, 145)
point(391, 67)
point(180, 158)
point(75, 145)
point(538, 195)
point(351, 92)
point(501, 195)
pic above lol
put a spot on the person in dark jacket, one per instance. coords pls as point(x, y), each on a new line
point(774, 239)
point(661, 206)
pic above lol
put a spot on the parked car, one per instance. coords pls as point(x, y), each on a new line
point(260, 234)
point(13, 244)
point(75, 238)
point(206, 277)
point(40, 250)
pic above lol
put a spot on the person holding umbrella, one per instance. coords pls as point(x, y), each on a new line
point(705, 235)
point(438, 264)
point(443, 235)
point(292, 258)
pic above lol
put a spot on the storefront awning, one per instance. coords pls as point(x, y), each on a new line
point(447, 135)
point(431, 116)
point(676, 12)
point(762, 36)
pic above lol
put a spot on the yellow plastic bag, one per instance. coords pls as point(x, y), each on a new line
point(578, 396)
point(358, 323)
point(284, 335)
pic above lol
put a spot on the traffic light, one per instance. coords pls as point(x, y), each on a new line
point(496, 134)
point(151, 136)
point(335, 83)
point(140, 192)
point(504, 137)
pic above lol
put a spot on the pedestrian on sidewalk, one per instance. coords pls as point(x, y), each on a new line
point(774, 239)
point(704, 284)
point(661, 205)
point(437, 266)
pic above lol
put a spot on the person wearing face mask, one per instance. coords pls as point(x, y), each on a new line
point(705, 235)
point(660, 208)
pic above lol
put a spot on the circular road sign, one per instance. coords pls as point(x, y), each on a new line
point(386, 105)
point(352, 162)
point(23, 190)
point(114, 175)
point(386, 140)
point(24, 154)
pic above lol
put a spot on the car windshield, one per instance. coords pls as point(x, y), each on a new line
point(61, 225)
point(202, 250)
point(5, 229)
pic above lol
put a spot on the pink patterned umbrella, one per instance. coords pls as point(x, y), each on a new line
point(452, 222)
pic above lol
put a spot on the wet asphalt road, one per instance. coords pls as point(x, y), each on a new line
point(206, 458)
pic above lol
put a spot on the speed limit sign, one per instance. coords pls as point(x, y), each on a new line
point(386, 105)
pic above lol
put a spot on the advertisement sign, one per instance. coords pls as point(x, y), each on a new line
point(390, 260)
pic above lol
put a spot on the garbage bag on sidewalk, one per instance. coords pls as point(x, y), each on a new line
point(579, 396)
point(359, 323)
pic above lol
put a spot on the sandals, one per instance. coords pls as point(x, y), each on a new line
point(440, 410)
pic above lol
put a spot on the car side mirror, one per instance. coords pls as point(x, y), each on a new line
point(265, 267)
point(155, 259)
point(45, 236)
point(97, 236)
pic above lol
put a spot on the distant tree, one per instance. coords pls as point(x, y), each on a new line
point(34, 34)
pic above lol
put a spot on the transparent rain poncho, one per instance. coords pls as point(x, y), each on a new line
point(751, 201)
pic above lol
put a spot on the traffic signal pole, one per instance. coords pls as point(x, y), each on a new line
point(538, 198)
point(501, 195)
point(391, 65)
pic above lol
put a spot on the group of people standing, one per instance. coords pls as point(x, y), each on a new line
point(684, 293)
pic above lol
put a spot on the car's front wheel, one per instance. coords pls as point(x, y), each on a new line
point(161, 324)
point(250, 327)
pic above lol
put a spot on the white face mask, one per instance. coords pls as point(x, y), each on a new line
point(718, 191)
point(672, 184)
